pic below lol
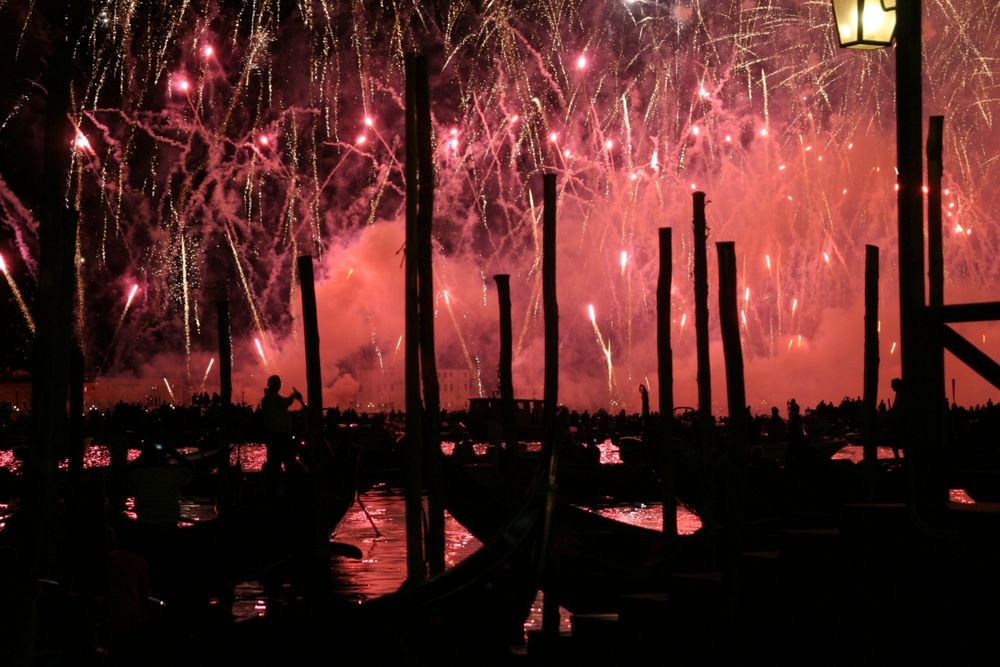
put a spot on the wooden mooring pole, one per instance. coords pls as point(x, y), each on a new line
point(550, 605)
point(319, 471)
point(506, 372)
point(415, 567)
point(665, 373)
point(705, 430)
point(434, 542)
point(871, 364)
point(738, 426)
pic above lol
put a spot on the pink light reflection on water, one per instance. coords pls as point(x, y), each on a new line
point(382, 567)
point(856, 453)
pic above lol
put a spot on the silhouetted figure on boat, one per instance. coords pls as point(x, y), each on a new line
point(277, 432)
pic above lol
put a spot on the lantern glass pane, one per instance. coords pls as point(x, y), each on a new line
point(864, 24)
point(877, 24)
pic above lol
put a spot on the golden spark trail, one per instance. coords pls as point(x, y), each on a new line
point(260, 351)
point(170, 391)
point(606, 350)
point(187, 309)
point(17, 295)
point(473, 365)
point(208, 370)
point(121, 320)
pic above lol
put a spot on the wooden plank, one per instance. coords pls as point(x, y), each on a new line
point(971, 355)
point(985, 311)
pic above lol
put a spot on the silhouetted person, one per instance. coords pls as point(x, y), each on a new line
point(277, 428)
point(796, 454)
point(775, 426)
point(896, 417)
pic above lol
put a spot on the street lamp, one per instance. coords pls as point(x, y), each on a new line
point(870, 24)
point(865, 24)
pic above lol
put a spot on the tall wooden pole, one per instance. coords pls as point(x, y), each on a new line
point(415, 568)
point(425, 286)
point(732, 349)
point(665, 370)
point(550, 603)
point(76, 407)
point(705, 431)
point(738, 458)
point(225, 401)
point(935, 172)
point(506, 372)
point(923, 416)
point(320, 456)
point(871, 364)
point(57, 232)
point(225, 353)
point(701, 308)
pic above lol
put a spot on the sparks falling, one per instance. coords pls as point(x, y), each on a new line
point(202, 131)
point(170, 391)
point(17, 296)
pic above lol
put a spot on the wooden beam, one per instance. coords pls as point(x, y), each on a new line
point(971, 355)
point(985, 311)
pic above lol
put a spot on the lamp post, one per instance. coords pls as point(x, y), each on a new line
point(871, 24)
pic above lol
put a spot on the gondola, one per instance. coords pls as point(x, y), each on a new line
point(260, 533)
point(592, 561)
point(476, 608)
